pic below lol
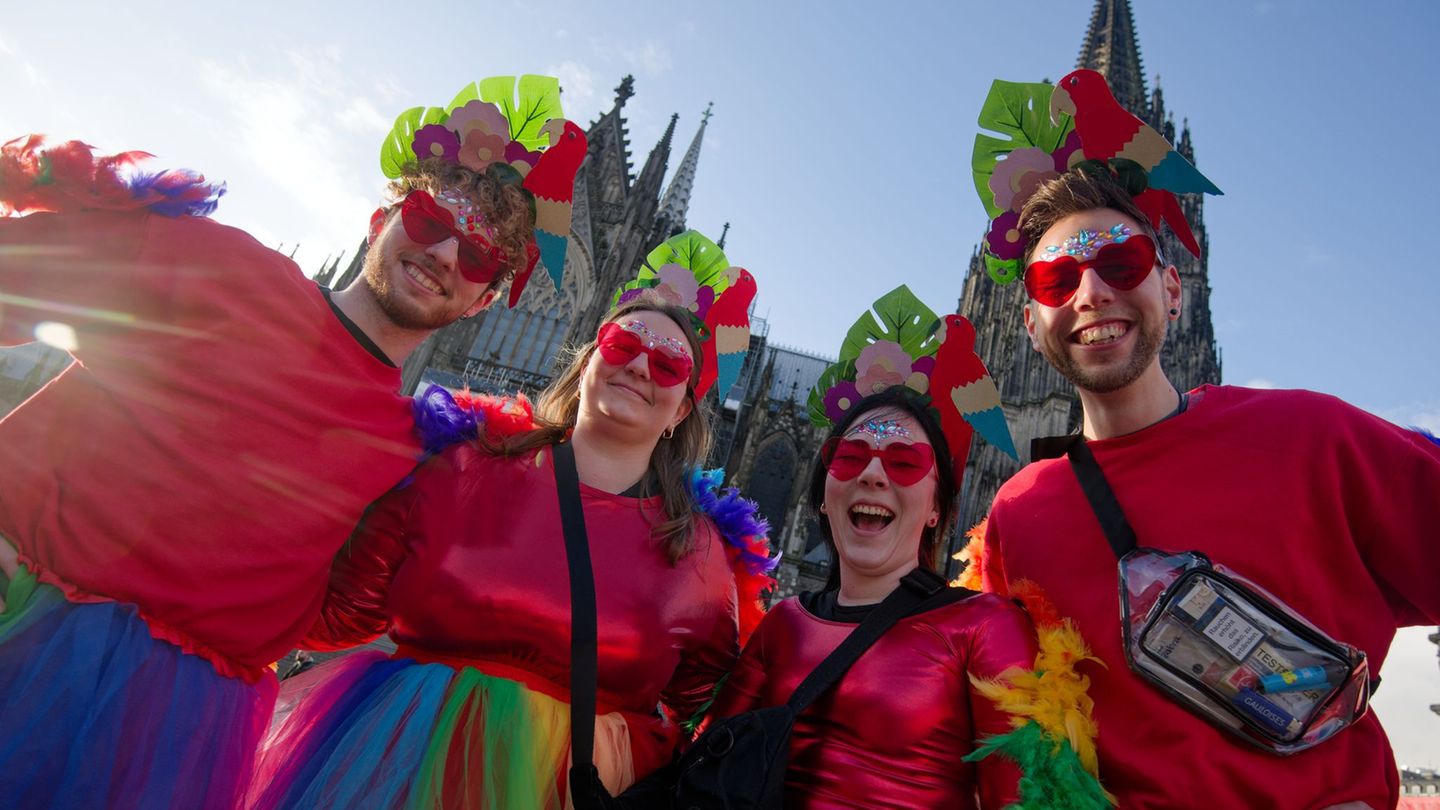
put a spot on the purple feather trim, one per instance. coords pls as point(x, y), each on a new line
point(183, 193)
point(440, 421)
point(736, 517)
point(1427, 434)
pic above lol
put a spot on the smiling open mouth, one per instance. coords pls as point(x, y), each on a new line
point(870, 518)
point(423, 280)
point(1101, 334)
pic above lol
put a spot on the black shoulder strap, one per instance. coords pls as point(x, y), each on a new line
point(1102, 498)
point(919, 590)
point(584, 668)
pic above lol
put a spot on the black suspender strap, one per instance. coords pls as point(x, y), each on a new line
point(584, 668)
point(1102, 498)
point(919, 591)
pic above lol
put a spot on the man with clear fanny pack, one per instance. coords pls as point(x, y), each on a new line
point(1318, 508)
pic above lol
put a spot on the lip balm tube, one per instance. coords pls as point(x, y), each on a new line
point(1291, 680)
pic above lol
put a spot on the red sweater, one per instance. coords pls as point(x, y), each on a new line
point(1332, 510)
point(894, 731)
point(215, 443)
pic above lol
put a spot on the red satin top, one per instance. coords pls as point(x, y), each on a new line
point(215, 441)
point(894, 731)
point(467, 566)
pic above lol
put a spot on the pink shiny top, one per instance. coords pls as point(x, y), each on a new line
point(467, 566)
point(895, 730)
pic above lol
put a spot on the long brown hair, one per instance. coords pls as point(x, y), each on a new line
point(558, 407)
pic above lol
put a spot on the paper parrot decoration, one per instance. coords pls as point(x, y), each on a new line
point(1050, 129)
point(514, 130)
point(690, 271)
point(969, 397)
point(1110, 133)
point(903, 342)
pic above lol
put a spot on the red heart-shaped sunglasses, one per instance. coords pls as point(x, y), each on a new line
point(905, 464)
point(427, 223)
point(618, 346)
point(1122, 265)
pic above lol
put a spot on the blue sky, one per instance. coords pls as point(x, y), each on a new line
point(839, 151)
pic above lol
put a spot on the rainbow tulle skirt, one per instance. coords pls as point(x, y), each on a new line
point(371, 731)
point(96, 712)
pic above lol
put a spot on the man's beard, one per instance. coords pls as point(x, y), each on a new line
point(401, 310)
point(1104, 381)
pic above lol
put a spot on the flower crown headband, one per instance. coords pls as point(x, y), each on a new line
point(691, 272)
point(903, 342)
point(517, 131)
point(1051, 129)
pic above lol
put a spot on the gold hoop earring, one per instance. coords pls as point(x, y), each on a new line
point(669, 433)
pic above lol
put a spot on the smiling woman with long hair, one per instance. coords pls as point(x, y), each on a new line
point(465, 569)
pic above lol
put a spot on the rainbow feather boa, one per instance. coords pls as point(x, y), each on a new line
point(1049, 705)
point(443, 419)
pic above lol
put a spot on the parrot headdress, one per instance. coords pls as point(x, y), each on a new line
point(516, 130)
point(900, 341)
point(691, 272)
point(1051, 129)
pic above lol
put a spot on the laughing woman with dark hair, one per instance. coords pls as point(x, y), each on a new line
point(904, 722)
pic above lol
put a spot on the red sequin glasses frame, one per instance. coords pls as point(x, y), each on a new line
point(905, 464)
point(618, 346)
point(426, 222)
point(1122, 265)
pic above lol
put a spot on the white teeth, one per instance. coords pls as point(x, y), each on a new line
point(1103, 333)
point(866, 509)
point(425, 281)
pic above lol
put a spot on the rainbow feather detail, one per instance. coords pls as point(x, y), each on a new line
point(1051, 710)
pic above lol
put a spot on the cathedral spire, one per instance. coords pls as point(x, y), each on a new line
point(1110, 47)
point(676, 202)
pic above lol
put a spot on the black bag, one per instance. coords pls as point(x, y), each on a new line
point(739, 762)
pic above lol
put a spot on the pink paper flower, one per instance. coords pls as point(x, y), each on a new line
point(1017, 176)
point(881, 365)
point(480, 149)
point(479, 115)
point(678, 286)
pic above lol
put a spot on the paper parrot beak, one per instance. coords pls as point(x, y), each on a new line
point(1060, 104)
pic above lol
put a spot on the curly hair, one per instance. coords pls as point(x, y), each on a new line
point(1083, 188)
point(507, 207)
point(671, 461)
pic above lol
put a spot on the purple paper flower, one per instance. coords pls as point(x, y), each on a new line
point(841, 397)
point(520, 158)
point(1063, 155)
point(1003, 240)
point(434, 140)
point(920, 371)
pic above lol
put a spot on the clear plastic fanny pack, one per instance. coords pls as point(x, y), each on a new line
point(1220, 645)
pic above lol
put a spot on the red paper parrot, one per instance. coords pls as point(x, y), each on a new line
point(552, 181)
point(729, 323)
point(965, 393)
point(1108, 132)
